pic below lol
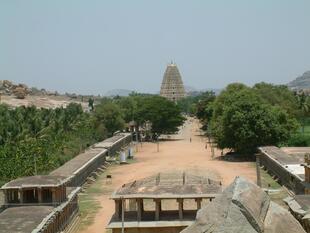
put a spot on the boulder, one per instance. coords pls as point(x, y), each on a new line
point(279, 220)
point(243, 208)
point(20, 92)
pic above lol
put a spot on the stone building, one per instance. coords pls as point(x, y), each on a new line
point(46, 190)
point(165, 203)
point(172, 86)
point(288, 165)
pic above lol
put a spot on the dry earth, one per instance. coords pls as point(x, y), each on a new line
point(177, 154)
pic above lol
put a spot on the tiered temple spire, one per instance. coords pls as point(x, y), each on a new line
point(172, 86)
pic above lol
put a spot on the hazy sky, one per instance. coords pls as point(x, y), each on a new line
point(93, 46)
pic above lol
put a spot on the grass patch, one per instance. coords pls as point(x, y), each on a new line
point(88, 203)
point(277, 193)
point(88, 209)
point(267, 181)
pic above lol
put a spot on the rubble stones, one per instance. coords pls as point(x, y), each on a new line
point(244, 208)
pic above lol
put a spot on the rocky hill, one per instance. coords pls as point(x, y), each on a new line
point(21, 90)
point(21, 95)
point(301, 83)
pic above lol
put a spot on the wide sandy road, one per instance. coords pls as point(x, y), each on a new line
point(184, 152)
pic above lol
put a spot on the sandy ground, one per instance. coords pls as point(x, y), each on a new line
point(178, 154)
point(41, 101)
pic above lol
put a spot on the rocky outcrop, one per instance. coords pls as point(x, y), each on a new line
point(21, 90)
point(301, 83)
point(244, 208)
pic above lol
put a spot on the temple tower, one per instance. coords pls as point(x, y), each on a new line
point(172, 86)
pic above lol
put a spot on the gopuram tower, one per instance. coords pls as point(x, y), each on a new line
point(172, 86)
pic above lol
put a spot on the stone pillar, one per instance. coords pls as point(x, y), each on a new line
point(64, 193)
point(21, 196)
point(180, 201)
point(259, 182)
point(54, 196)
point(15, 195)
point(132, 205)
point(6, 197)
point(139, 209)
point(157, 209)
point(198, 201)
point(118, 208)
point(39, 195)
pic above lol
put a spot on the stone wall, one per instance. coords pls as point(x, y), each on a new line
point(61, 215)
point(79, 177)
point(284, 177)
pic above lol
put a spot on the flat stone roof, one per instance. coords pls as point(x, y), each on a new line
point(282, 156)
point(82, 159)
point(22, 219)
point(110, 141)
point(290, 158)
point(170, 185)
point(35, 181)
point(77, 162)
point(296, 150)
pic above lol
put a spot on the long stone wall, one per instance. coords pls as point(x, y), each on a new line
point(82, 166)
point(80, 175)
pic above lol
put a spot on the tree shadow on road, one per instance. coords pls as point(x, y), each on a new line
point(235, 157)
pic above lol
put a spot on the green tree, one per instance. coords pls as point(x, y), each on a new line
point(109, 114)
point(278, 95)
point(304, 107)
point(164, 116)
point(242, 121)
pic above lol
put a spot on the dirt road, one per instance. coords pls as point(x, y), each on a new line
point(183, 152)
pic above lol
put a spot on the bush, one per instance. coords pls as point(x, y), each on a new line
point(299, 140)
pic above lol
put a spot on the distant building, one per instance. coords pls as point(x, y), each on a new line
point(172, 86)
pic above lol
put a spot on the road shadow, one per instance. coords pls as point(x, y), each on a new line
point(235, 158)
point(169, 139)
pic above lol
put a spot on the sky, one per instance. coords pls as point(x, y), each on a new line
point(93, 46)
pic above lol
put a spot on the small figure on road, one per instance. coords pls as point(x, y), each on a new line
point(190, 139)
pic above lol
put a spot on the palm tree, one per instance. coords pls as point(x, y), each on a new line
point(304, 107)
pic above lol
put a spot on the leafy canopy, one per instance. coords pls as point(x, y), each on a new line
point(243, 121)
